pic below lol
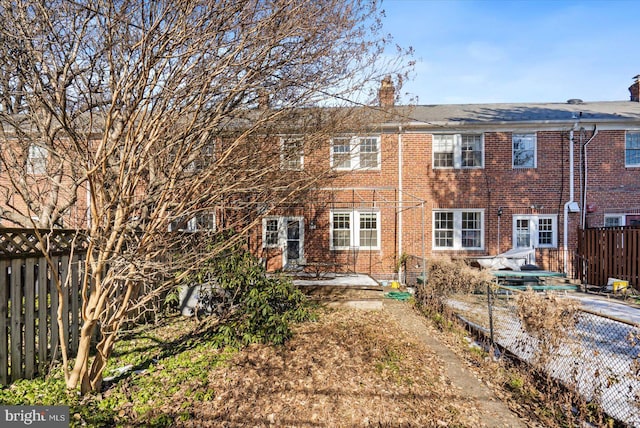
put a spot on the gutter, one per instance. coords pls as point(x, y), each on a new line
point(586, 167)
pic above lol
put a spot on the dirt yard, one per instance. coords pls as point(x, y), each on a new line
point(351, 368)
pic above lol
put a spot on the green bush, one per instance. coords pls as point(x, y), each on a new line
point(250, 305)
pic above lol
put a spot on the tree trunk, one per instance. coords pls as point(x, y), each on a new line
point(82, 358)
point(92, 381)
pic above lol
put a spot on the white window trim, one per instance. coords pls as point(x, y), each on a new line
point(354, 229)
point(191, 225)
point(282, 236)
point(625, 218)
point(285, 156)
point(457, 151)
point(457, 229)
point(618, 216)
point(282, 231)
point(354, 151)
point(535, 150)
point(207, 156)
point(629, 165)
point(37, 160)
point(533, 222)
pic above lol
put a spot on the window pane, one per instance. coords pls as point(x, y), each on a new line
point(523, 237)
point(443, 151)
point(471, 230)
point(368, 153)
point(612, 221)
point(471, 151)
point(368, 230)
point(545, 231)
point(443, 160)
point(37, 162)
point(271, 232)
point(632, 148)
point(341, 230)
point(204, 221)
point(443, 229)
point(341, 153)
point(524, 150)
point(292, 152)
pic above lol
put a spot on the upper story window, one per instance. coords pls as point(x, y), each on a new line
point(355, 152)
point(203, 159)
point(37, 160)
point(458, 230)
point(632, 149)
point(292, 153)
point(458, 151)
point(524, 150)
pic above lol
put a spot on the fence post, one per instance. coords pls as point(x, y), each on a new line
point(490, 302)
point(16, 367)
point(4, 325)
point(29, 318)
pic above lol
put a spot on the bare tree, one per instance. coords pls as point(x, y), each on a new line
point(122, 116)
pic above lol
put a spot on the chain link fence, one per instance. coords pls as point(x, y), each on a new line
point(597, 356)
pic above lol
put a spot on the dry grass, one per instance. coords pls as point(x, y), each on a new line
point(547, 317)
point(351, 368)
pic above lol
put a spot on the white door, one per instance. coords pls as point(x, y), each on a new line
point(524, 235)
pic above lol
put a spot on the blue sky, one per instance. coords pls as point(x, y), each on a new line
point(517, 51)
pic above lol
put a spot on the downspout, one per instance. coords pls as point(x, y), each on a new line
point(570, 202)
point(400, 200)
point(586, 175)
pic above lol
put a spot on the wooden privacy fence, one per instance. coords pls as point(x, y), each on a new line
point(609, 252)
point(29, 301)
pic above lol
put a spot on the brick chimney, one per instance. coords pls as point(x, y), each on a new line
point(635, 89)
point(387, 93)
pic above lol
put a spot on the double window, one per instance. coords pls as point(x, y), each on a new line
point(458, 151)
point(524, 150)
point(204, 221)
point(632, 149)
point(203, 159)
point(458, 230)
point(355, 229)
point(535, 231)
point(349, 153)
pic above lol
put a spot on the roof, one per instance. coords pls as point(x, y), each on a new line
point(448, 115)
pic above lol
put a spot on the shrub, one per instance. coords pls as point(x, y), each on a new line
point(447, 277)
point(548, 318)
point(248, 304)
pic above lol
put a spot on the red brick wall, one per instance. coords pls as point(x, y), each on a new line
point(540, 190)
point(611, 187)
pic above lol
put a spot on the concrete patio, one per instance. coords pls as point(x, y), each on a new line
point(352, 290)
